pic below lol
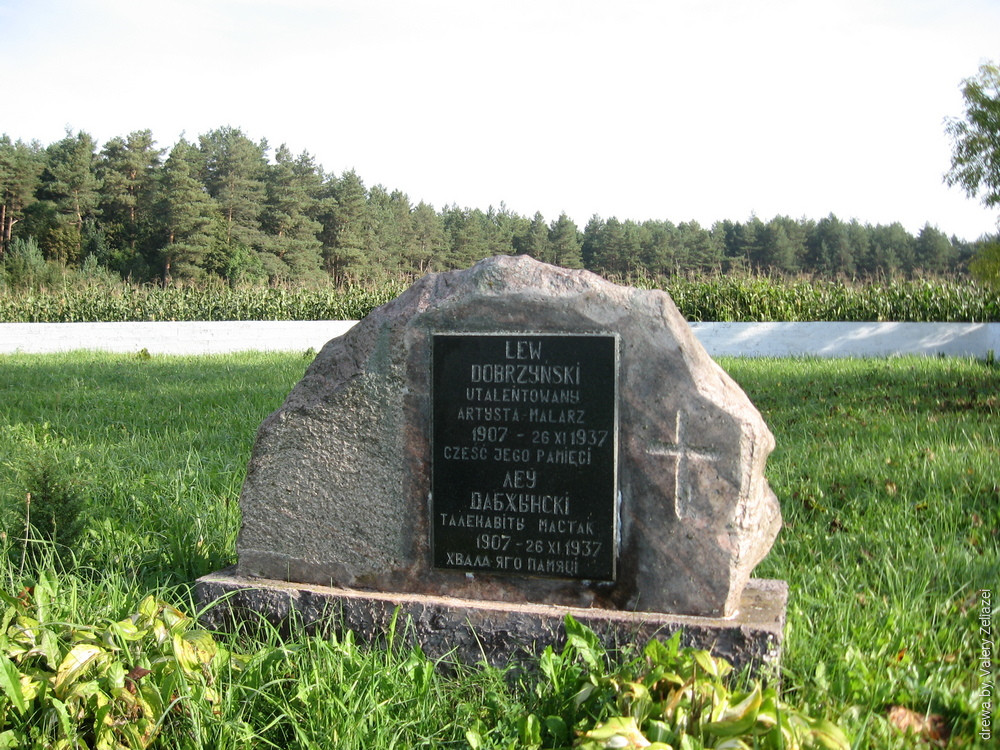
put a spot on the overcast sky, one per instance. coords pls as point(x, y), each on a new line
point(641, 109)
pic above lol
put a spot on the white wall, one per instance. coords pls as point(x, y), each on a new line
point(848, 339)
point(720, 339)
point(171, 337)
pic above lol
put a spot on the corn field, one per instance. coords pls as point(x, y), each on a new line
point(128, 303)
point(759, 299)
point(718, 298)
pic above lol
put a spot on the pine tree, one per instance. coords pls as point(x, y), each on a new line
point(564, 243)
point(775, 249)
point(828, 249)
point(128, 168)
point(659, 247)
point(292, 247)
point(346, 229)
point(702, 252)
point(890, 250)
point(429, 244)
point(234, 169)
point(537, 243)
point(21, 165)
point(467, 236)
point(189, 216)
point(618, 248)
point(590, 246)
point(933, 250)
point(745, 240)
point(71, 183)
point(502, 228)
point(859, 242)
point(392, 230)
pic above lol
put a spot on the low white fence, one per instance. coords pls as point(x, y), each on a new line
point(720, 339)
point(848, 339)
point(171, 337)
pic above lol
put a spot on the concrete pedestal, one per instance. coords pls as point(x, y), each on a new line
point(499, 633)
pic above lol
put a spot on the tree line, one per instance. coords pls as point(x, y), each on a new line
point(224, 206)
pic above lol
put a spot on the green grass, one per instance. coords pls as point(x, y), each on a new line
point(156, 447)
point(887, 471)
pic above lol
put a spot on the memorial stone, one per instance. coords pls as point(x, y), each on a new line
point(501, 443)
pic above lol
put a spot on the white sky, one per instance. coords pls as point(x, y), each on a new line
point(641, 109)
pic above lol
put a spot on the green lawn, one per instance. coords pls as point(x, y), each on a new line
point(888, 472)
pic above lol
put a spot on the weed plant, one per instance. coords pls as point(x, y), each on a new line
point(886, 471)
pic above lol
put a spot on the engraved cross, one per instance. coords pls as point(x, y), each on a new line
point(682, 453)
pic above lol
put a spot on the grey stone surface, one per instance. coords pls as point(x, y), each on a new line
point(337, 488)
point(470, 631)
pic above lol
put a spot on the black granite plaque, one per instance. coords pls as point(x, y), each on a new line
point(525, 445)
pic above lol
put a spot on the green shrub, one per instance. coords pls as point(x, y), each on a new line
point(53, 505)
point(986, 265)
point(107, 686)
point(671, 697)
point(24, 265)
point(48, 504)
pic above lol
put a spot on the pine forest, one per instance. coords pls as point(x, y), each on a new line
point(223, 206)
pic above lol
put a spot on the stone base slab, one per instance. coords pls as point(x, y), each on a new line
point(499, 633)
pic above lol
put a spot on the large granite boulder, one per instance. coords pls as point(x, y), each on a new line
point(337, 490)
